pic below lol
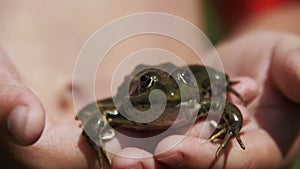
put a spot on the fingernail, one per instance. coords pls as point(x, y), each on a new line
point(174, 160)
point(137, 166)
point(16, 123)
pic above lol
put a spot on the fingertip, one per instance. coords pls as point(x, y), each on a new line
point(286, 73)
point(168, 145)
point(247, 88)
point(24, 116)
point(134, 158)
point(189, 152)
point(175, 159)
point(166, 153)
point(34, 125)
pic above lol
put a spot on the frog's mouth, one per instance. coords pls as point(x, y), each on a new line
point(171, 108)
point(184, 115)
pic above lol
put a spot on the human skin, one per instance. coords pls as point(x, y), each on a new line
point(54, 150)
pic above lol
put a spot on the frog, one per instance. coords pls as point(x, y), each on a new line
point(103, 116)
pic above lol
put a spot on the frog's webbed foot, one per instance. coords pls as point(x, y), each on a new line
point(230, 126)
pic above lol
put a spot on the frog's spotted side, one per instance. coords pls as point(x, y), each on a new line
point(141, 83)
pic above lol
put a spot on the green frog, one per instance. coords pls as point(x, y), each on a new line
point(191, 87)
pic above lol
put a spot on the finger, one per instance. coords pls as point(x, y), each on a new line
point(185, 153)
point(135, 158)
point(247, 88)
point(192, 153)
point(285, 68)
point(21, 114)
point(246, 55)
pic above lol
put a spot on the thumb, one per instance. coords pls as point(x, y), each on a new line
point(285, 68)
point(21, 114)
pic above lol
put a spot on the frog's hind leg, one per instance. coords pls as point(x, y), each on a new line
point(231, 124)
point(226, 139)
point(223, 130)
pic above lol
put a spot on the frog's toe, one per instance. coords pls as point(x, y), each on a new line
point(238, 138)
point(228, 135)
point(218, 134)
point(224, 143)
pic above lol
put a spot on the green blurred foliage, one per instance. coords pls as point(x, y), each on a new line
point(297, 163)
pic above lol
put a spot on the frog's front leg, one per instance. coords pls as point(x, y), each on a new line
point(96, 128)
point(230, 124)
point(102, 155)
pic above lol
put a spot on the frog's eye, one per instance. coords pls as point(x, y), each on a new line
point(146, 80)
point(184, 76)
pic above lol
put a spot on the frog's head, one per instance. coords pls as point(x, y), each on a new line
point(175, 83)
point(149, 80)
